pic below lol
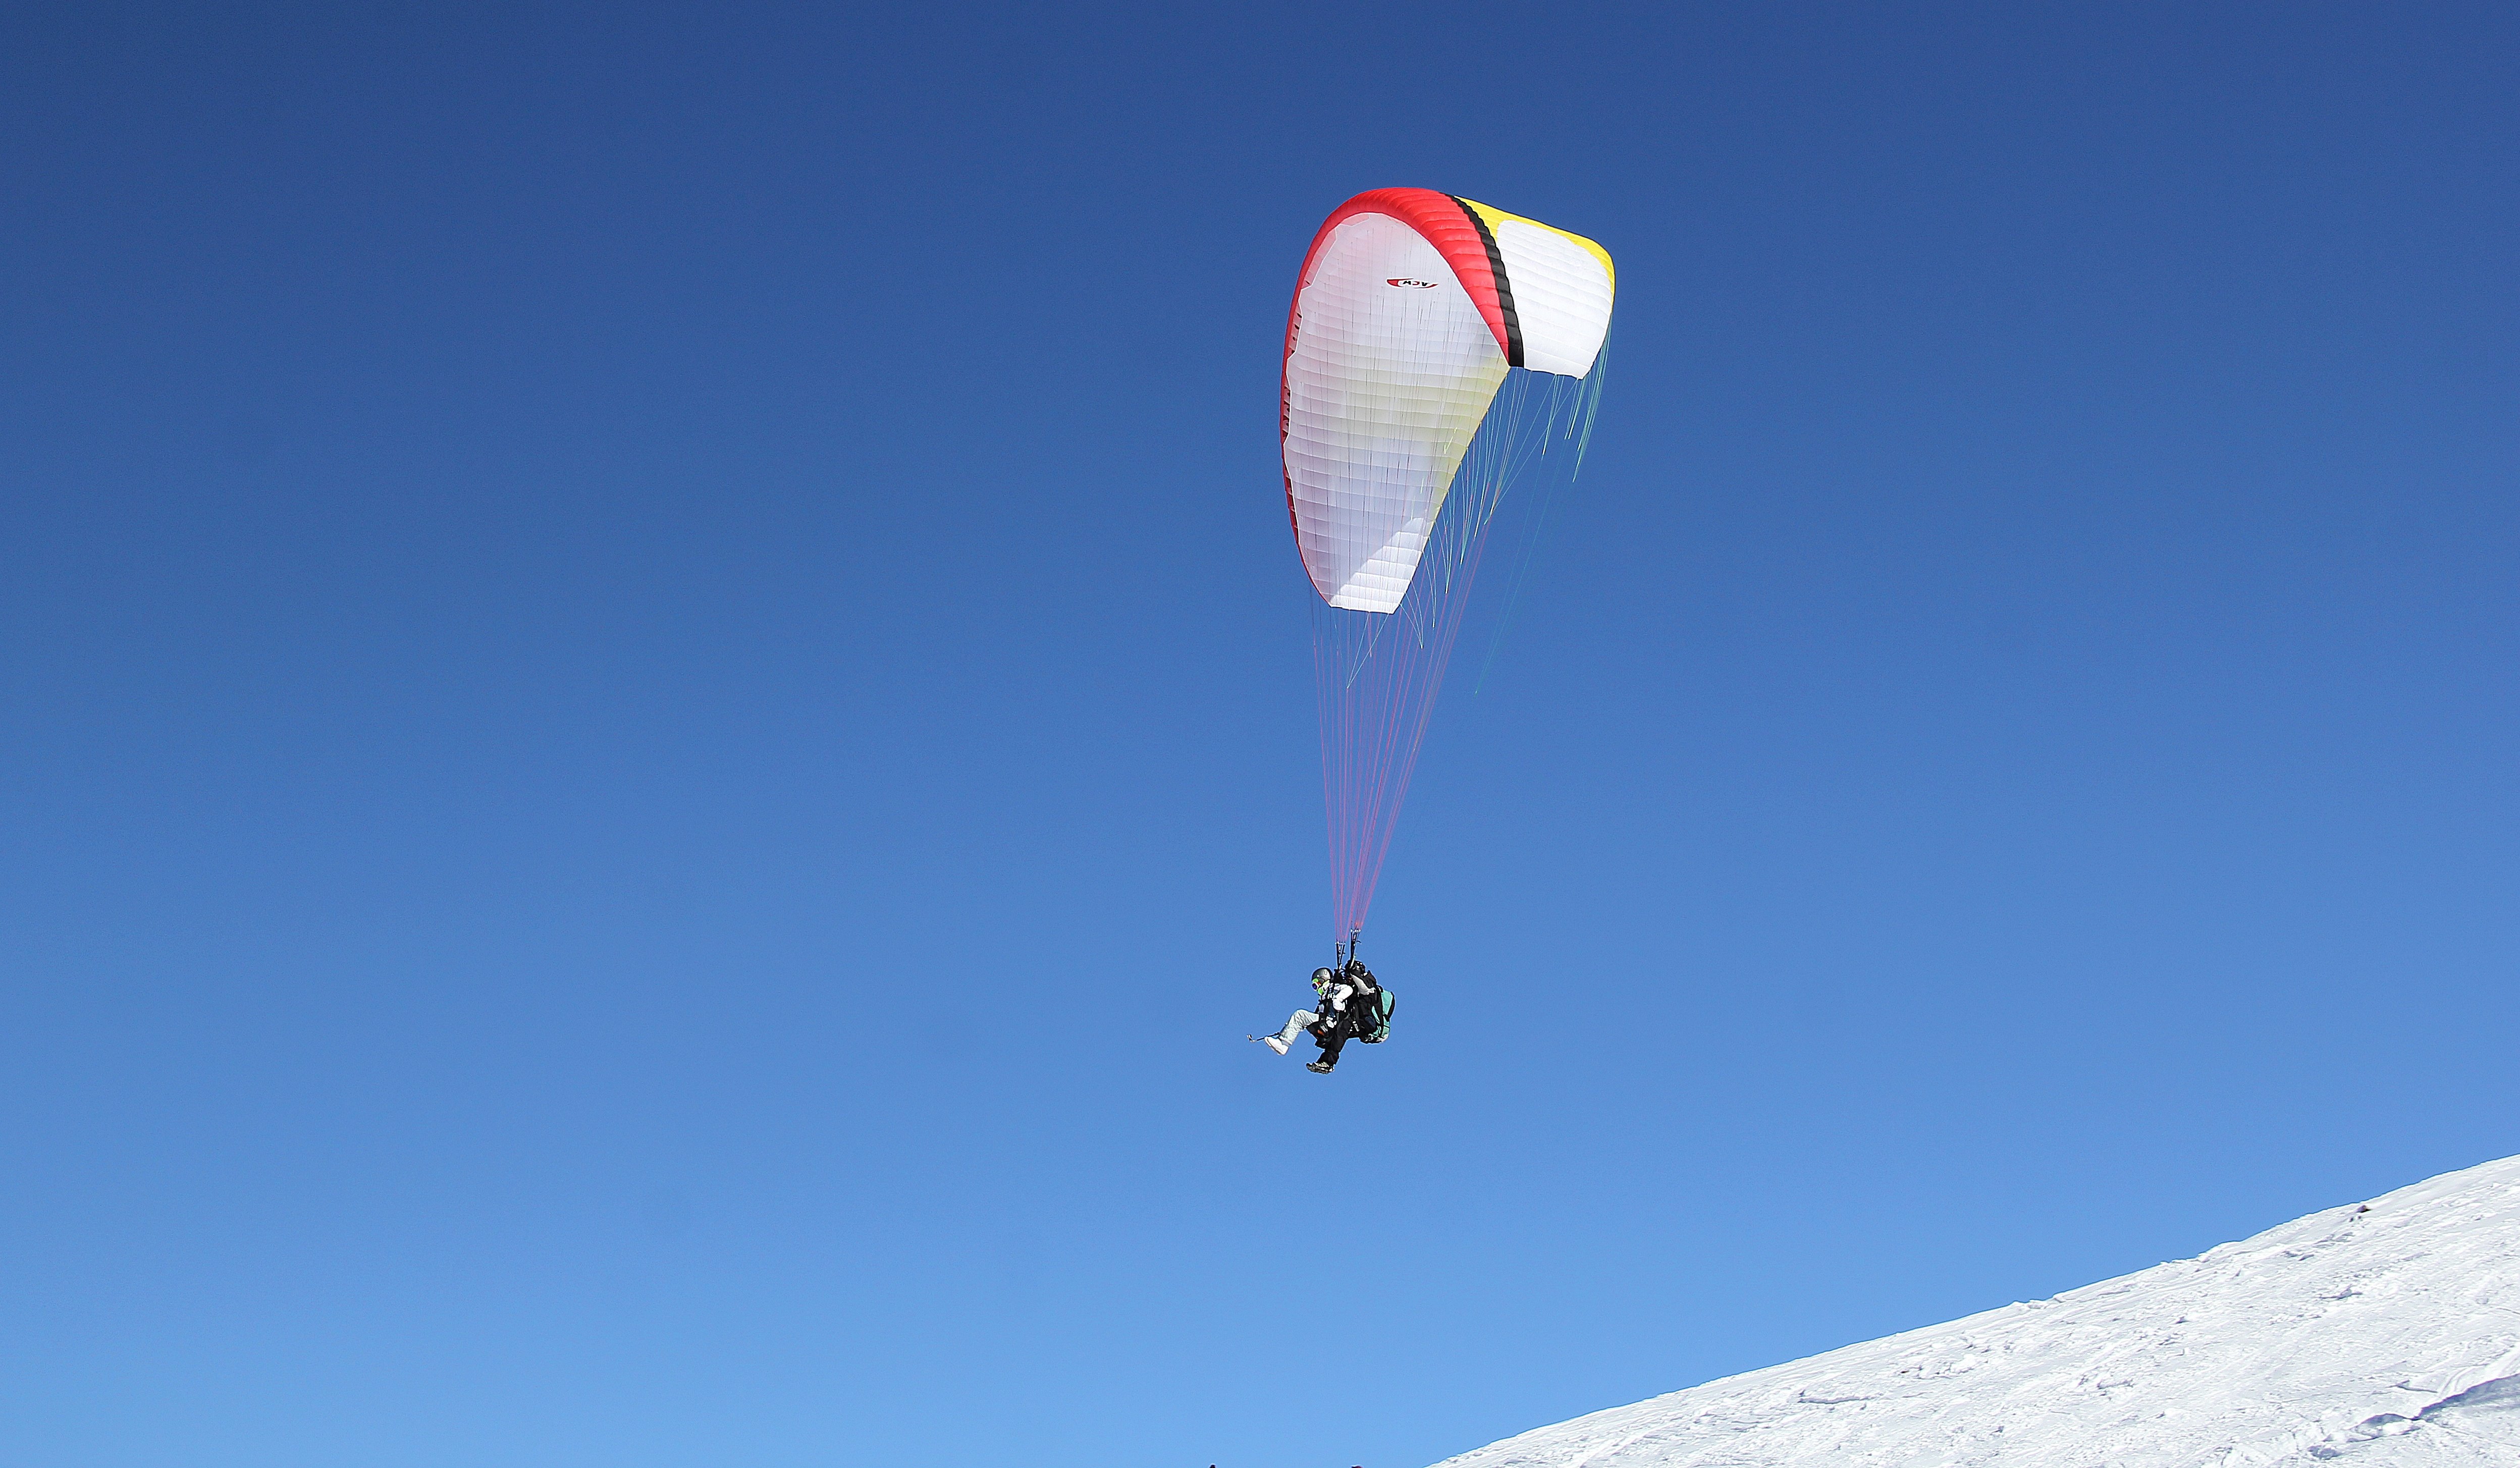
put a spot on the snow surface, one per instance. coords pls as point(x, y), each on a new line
point(2387, 1334)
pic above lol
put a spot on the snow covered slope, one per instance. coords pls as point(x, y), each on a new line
point(2387, 1334)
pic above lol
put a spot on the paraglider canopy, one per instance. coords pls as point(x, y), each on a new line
point(1411, 308)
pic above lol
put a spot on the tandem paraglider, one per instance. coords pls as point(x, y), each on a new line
point(1348, 1004)
point(1438, 352)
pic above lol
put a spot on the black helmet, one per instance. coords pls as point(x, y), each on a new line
point(1321, 978)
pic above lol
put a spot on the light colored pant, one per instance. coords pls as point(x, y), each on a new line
point(1303, 1020)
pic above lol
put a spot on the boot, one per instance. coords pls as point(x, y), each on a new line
point(1273, 1043)
point(1319, 1066)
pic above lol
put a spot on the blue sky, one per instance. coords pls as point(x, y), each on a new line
point(658, 732)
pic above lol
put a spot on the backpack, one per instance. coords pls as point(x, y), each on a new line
point(1372, 1015)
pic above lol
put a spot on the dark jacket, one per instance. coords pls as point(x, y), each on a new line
point(1348, 1003)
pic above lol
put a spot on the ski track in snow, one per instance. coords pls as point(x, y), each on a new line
point(2381, 1337)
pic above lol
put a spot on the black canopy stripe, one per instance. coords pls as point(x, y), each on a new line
point(1505, 291)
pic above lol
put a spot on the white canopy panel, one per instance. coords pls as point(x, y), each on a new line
point(1389, 369)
